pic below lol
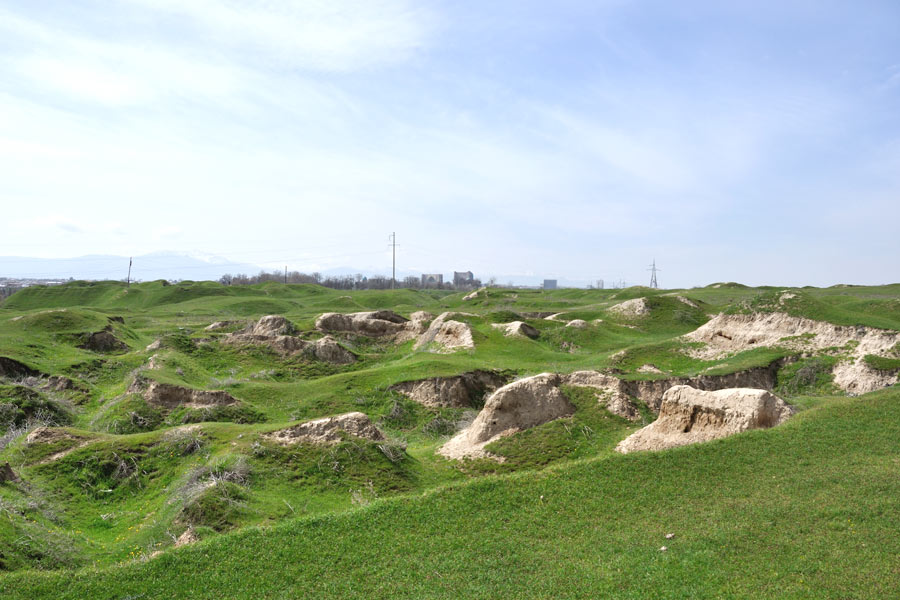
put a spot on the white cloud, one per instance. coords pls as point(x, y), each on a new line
point(74, 67)
point(84, 81)
point(332, 35)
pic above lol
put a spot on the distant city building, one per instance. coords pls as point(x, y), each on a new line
point(549, 284)
point(463, 278)
point(429, 279)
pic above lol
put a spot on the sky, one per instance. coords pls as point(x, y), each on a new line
point(753, 141)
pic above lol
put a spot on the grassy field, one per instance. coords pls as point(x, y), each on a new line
point(807, 509)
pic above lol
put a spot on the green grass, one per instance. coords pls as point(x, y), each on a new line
point(805, 510)
point(759, 515)
point(882, 363)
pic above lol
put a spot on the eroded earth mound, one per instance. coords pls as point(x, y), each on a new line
point(277, 333)
point(637, 307)
point(518, 329)
point(463, 391)
point(104, 340)
point(376, 323)
point(514, 407)
point(445, 335)
point(329, 430)
point(729, 334)
point(167, 395)
point(689, 416)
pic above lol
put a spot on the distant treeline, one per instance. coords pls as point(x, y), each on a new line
point(345, 282)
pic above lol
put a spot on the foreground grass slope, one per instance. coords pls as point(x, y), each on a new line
point(806, 510)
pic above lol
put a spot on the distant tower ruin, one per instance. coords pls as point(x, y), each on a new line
point(653, 270)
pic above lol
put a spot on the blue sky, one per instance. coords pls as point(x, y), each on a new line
point(749, 141)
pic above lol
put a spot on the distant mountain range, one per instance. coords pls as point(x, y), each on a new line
point(182, 266)
point(158, 265)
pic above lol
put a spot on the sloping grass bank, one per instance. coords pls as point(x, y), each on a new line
point(805, 510)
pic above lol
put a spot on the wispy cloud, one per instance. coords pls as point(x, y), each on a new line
point(328, 35)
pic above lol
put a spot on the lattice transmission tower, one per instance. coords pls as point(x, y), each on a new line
point(653, 271)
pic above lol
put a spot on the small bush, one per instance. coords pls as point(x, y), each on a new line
point(185, 441)
point(19, 404)
point(393, 451)
point(219, 506)
point(103, 472)
point(810, 376)
point(131, 414)
point(440, 426)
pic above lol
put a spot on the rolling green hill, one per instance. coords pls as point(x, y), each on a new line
point(802, 510)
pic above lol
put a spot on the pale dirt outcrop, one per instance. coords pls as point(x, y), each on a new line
point(783, 298)
point(416, 326)
point(611, 391)
point(270, 326)
point(168, 395)
point(474, 294)
point(517, 329)
point(730, 334)
point(535, 400)
point(637, 307)
point(464, 390)
point(651, 391)
point(577, 324)
point(516, 406)
point(689, 416)
point(618, 394)
point(376, 323)
point(445, 335)
point(218, 325)
point(856, 377)
point(328, 430)
point(687, 301)
point(421, 316)
point(49, 435)
point(329, 350)
point(186, 538)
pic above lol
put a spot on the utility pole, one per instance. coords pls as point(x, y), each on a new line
point(393, 238)
point(128, 281)
point(653, 270)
